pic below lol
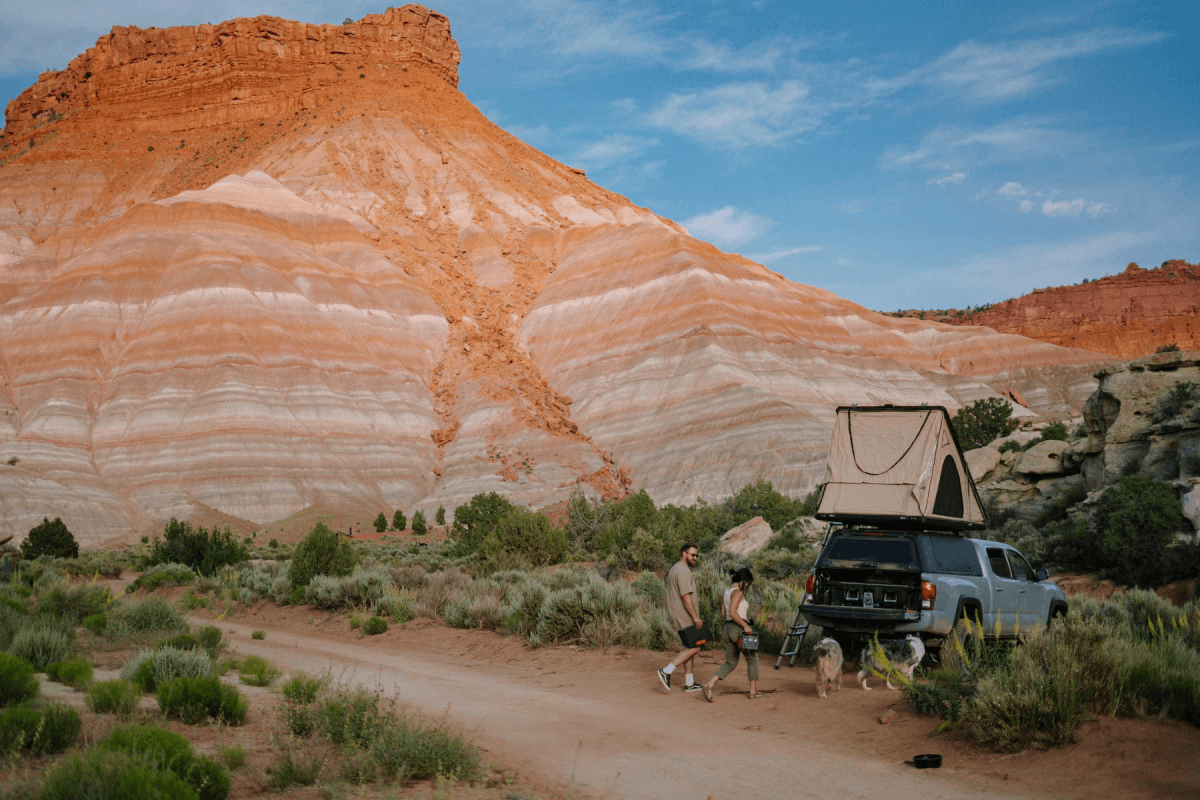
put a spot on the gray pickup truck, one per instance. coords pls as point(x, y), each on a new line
point(900, 582)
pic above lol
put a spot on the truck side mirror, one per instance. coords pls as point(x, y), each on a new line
point(1042, 574)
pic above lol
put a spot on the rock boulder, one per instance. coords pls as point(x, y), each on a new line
point(747, 538)
point(1044, 458)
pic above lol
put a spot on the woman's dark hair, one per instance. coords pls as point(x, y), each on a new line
point(742, 575)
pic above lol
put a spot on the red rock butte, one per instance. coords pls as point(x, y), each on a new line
point(258, 267)
point(1127, 315)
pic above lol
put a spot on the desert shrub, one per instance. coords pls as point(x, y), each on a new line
point(374, 626)
point(408, 752)
point(780, 565)
point(170, 751)
point(983, 421)
point(397, 605)
point(522, 603)
point(381, 523)
point(11, 621)
point(17, 680)
point(118, 697)
point(72, 602)
point(210, 638)
point(419, 526)
point(352, 718)
point(233, 756)
point(324, 591)
point(76, 673)
point(49, 730)
point(149, 616)
point(198, 549)
point(184, 641)
point(1055, 432)
point(300, 719)
point(96, 623)
point(651, 587)
point(365, 586)
point(298, 595)
point(99, 774)
point(586, 615)
point(760, 499)
point(42, 642)
point(399, 523)
point(281, 589)
point(149, 668)
point(1010, 445)
point(257, 671)
point(482, 612)
point(302, 689)
point(527, 535)
point(165, 574)
point(194, 699)
point(259, 635)
point(321, 552)
point(291, 771)
point(1135, 522)
point(1183, 395)
point(409, 576)
point(440, 516)
point(475, 520)
point(1053, 682)
point(440, 588)
point(50, 539)
point(1057, 509)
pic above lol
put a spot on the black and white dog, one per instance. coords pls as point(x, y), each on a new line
point(827, 666)
point(903, 654)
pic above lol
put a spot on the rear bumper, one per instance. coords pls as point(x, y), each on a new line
point(868, 620)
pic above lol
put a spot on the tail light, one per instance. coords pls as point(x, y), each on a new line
point(928, 595)
point(809, 583)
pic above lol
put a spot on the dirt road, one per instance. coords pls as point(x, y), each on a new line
point(600, 724)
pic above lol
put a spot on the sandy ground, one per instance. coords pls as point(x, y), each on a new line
point(599, 724)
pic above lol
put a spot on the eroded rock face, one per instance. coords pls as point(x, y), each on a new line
point(1127, 315)
point(236, 279)
point(1043, 459)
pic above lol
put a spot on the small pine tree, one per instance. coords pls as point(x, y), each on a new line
point(50, 539)
point(380, 523)
point(399, 523)
point(440, 517)
point(419, 527)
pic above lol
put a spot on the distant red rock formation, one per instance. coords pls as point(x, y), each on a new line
point(1127, 315)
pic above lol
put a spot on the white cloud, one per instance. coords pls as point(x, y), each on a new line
point(778, 255)
point(1063, 208)
point(947, 180)
point(947, 147)
point(728, 226)
point(1026, 206)
point(740, 114)
point(1098, 209)
point(1012, 189)
point(613, 148)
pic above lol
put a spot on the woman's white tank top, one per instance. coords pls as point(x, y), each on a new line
point(743, 608)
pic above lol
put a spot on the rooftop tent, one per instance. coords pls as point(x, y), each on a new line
point(898, 464)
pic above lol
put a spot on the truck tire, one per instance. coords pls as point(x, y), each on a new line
point(965, 631)
point(1058, 615)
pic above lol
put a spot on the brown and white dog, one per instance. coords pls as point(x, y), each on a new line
point(827, 666)
point(903, 654)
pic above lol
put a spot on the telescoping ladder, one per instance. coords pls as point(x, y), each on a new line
point(793, 640)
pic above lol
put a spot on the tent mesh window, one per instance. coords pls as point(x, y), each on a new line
point(949, 501)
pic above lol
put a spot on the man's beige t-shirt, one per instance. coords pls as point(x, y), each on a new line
point(679, 583)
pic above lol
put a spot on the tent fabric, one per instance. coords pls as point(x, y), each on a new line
point(889, 462)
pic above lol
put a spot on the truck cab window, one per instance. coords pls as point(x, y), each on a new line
point(1020, 567)
point(998, 562)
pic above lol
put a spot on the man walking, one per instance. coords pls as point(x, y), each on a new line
point(684, 611)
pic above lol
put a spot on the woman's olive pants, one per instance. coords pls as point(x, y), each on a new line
point(732, 632)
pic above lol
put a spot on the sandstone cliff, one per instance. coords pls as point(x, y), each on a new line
point(1126, 315)
point(260, 266)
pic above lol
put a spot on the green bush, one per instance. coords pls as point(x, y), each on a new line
point(440, 516)
point(1136, 521)
point(374, 626)
point(42, 642)
point(118, 697)
point(210, 638)
point(99, 774)
point(365, 586)
point(170, 751)
point(257, 671)
point(149, 616)
point(399, 523)
point(380, 523)
point(50, 730)
point(233, 756)
point(11, 621)
point(352, 718)
point(419, 528)
point(324, 591)
point(72, 603)
point(96, 623)
point(474, 521)
point(194, 699)
point(298, 595)
point(527, 535)
point(17, 680)
point(291, 771)
point(397, 605)
point(983, 421)
point(198, 549)
point(320, 553)
point(150, 668)
point(300, 719)
point(50, 539)
point(258, 635)
point(1183, 396)
point(168, 574)
point(76, 673)
point(184, 641)
point(300, 688)
point(408, 752)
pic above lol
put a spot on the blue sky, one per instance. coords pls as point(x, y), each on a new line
point(901, 154)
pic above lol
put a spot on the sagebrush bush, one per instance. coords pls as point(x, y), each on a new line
point(164, 574)
point(99, 774)
point(149, 668)
point(352, 717)
point(118, 697)
point(374, 626)
point(210, 638)
point(11, 621)
point(321, 552)
point(234, 756)
point(17, 680)
point(149, 616)
point(324, 591)
point(257, 671)
point(70, 603)
point(41, 642)
point(521, 606)
point(408, 752)
point(297, 771)
point(365, 586)
point(170, 751)
point(76, 673)
point(396, 604)
point(589, 615)
point(96, 623)
point(301, 688)
point(195, 699)
point(49, 730)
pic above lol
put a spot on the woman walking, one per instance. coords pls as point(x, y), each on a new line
point(737, 621)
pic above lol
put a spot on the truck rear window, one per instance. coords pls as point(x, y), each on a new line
point(873, 550)
point(950, 555)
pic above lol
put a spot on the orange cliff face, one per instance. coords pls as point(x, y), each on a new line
point(243, 279)
point(1127, 315)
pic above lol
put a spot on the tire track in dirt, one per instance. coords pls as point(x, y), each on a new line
point(612, 733)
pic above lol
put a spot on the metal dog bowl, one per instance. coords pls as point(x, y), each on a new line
point(927, 761)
